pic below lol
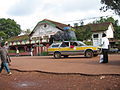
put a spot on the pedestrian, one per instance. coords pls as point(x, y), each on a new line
point(31, 51)
point(17, 52)
point(105, 47)
point(8, 57)
point(4, 60)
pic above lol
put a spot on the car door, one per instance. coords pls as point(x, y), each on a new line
point(73, 48)
point(81, 47)
point(64, 48)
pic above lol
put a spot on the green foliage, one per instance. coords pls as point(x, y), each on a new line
point(9, 27)
point(21, 51)
point(83, 33)
point(2, 34)
point(107, 19)
point(44, 54)
point(117, 32)
point(11, 51)
point(111, 4)
point(88, 42)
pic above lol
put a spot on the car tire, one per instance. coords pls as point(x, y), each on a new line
point(95, 55)
point(66, 56)
point(89, 53)
point(57, 55)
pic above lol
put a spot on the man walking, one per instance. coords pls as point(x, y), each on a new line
point(4, 61)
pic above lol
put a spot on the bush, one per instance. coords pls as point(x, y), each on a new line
point(21, 51)
point(88, 42)
point(44, 54)
point(11, 51)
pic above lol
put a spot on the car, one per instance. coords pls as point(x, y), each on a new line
point(113, 50)
point(66, 48)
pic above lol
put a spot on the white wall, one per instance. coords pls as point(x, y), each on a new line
point(109, 32)
point(41, 31)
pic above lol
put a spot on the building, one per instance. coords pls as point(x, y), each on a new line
point(97, 31)
point(44, 33)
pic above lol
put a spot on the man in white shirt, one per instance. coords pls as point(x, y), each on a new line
point(105, 47)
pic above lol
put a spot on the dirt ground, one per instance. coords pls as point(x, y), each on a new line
point(22, 79)
point(46, 81)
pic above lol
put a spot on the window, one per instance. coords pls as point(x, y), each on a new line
point(95, 35)
point(45, 25)
point(75, 44)
point(63, 45)
point(55, 45)
point(67, 44)
point(81, 44)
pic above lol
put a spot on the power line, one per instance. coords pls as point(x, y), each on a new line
point(89, 18)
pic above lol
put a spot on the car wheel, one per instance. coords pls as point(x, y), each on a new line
point(65, 56)
point(57, 55)
point(95, 55)
point(89, 53)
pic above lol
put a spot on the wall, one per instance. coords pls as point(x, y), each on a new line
point(44, 30)
point(109, 32)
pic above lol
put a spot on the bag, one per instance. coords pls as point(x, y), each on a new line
point(101, 58)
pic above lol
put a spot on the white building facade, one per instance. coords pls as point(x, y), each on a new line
point(97, 34)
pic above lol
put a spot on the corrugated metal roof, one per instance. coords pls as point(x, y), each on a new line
point(19, 38)
point(97, 27)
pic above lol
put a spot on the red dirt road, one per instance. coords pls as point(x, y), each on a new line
point(74, 64)
point(74, 73)
point(43, 81)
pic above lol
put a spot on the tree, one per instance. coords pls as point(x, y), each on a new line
point(107, 19)
point(9, 27)
point(83, 33)
point(2, 35)
point(111, 4)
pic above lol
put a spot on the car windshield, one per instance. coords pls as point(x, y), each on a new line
point(81, 43)
point(55, 45)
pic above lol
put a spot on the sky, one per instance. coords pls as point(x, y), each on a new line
point(27, 13)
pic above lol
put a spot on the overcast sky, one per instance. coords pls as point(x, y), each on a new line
point(28, 13)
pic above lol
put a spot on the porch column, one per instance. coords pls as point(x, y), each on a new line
point(41, 47)
point(25, 48)
point(47, 47)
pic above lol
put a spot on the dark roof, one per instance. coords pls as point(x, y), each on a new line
point(53, 23)
point(97, 27)
point(57, 24)
point(18, 38)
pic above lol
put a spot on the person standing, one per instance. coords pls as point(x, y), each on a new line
point(31, 51)
point(4, 61)
point(105, 47)
point(17, 52)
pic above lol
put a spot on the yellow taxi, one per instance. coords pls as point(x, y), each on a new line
point(66, 48)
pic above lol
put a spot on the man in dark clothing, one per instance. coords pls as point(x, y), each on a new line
point(4, 61)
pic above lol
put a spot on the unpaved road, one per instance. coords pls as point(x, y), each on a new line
point(90, 74)
point(45, 81)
